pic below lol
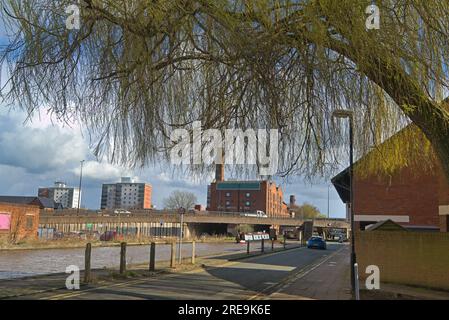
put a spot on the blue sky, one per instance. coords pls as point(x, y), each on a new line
point(38, 152)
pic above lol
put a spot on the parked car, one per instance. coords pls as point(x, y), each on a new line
point(316, 242)
point(291, 234)
point(108, 236)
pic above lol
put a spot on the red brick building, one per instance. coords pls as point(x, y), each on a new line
point(412, 197)
point(18, 221)
point(247, 196)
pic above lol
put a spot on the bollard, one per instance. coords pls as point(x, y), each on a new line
point(193, 252)
point(152, 256)
point(247, 246)
point(173, 255)
point(272, 245)
point(356, 281)
point(122, 257)
point(262, 246)
point(87, 256)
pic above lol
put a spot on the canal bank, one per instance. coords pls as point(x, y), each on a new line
point(32, 285)
point(24, 263)
point(77, 243)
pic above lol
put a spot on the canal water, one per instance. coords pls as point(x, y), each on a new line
point(22, 263)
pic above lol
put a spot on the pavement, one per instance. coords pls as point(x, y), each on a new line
point(392, 291)
point(297, 273)
point(328, 279)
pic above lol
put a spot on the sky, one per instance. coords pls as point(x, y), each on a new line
point(39, 151)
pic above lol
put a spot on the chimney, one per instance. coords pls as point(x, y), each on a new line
point(219, 166)
point(219, 172)
point(292, 201)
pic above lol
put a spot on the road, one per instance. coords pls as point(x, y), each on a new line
point(273, 275)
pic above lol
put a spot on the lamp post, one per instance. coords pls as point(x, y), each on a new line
point(328, 188)
point(349, 115)
point(181, 212)
point(79, 189)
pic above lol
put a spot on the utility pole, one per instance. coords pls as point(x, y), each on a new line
point(181, 212)
point(348, 114)
point(79, 189)
point(328, 187)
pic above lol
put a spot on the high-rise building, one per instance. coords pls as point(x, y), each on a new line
point(60, 193)
point(126, 194)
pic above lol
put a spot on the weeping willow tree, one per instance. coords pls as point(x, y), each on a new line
point(137, 69)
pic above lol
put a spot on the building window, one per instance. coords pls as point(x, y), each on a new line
point(29, 222)
point(228, 203)
point(248, 194)
point(247, 203)
point(228, 194)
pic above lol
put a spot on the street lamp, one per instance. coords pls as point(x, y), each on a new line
point(181, 211)
point(79, 189)
point(343, 114)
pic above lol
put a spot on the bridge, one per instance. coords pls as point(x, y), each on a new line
point(148, 222)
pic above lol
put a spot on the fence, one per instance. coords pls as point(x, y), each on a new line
point(50, 231)
point(252, 247)
point(122, 261)
point(411, 258)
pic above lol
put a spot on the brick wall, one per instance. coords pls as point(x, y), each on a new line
point(24, 221)
point(404, 194)
point(268, 199)
point(411, 258)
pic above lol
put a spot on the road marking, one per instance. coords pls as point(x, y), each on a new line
point(284, 283)
point(78, 293)
point(114, 285)
point(259, 266)
point(303, 274)
point(131, 282)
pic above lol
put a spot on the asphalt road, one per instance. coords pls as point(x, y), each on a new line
point(243, 279)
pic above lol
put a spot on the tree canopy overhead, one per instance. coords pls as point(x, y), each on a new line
point(137, 69)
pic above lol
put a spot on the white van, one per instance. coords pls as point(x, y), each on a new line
point(261, 214)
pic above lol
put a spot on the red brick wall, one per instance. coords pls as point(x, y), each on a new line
point(403, 194)
point(237, 199)
point(268, 199)
point(24, 221)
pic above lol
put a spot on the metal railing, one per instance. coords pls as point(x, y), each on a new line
point(168, 214)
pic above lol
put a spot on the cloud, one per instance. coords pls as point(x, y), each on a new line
point(37, 153)
point(163, 176)
point(38, 150)
point(102, 171)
